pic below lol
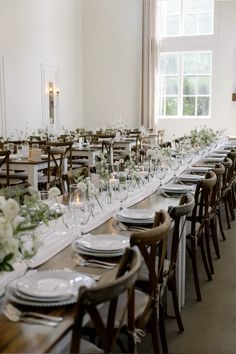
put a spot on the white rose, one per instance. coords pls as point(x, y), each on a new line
point(11, 209)
point(6, 230)
point(31, 190)
point(54, 192)
point(2, 202)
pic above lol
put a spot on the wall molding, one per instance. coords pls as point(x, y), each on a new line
point(49, 73)
point(3, 125)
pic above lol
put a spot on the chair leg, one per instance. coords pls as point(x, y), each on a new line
point(220, 224)
point(195, 271)
point(162, 328)
point(204, 258)
point(152, 327)
point(227, 213)
point(231, 207)
point(215, 237)
point(172, 287)
point(208, 248)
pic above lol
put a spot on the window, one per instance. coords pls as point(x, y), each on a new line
point(186, 17)
point(184, 84)
point(184, 73)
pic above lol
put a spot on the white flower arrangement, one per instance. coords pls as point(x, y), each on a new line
point(54, 192)
point(17, 238)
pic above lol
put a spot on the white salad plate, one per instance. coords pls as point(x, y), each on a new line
point(133, 221)
point(32, 290)
point(200, 169)
point(212, 159)
point(137, 214)
point(185, 177)
point(175, 188)
point(103, 242)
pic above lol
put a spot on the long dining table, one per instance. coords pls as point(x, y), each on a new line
point(20, 337)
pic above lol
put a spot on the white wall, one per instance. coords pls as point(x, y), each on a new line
point(224, 78)
point(34, 32)
point(112, 31)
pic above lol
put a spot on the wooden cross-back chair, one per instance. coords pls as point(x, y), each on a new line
point(89, 302)
point(198, 233)
point(177, 214)
point(71, 176)
point(228, 194)
point(215, 213)
point(9, 178)
point(152, 242)
point(57, 152)
point(4, 161)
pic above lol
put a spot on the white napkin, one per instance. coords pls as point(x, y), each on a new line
point(53, 243)
point(7, 277)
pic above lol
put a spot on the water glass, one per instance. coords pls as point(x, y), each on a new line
point(79, 207)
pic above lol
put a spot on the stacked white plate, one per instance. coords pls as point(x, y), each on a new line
point(176, 188)
point(136, 216)
point(189, 177)
point(213, 159)
point(200, 169)
point(103, 245)
point(47, 288)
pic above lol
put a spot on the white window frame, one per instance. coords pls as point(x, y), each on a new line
point(181, 95)
point(181, 22)
point(187, 43)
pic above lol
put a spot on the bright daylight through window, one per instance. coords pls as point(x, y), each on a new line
point(183, 87)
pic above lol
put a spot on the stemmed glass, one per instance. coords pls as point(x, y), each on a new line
point(79, 208)
point(161, 173)
point(122, 193)
point(174, 165)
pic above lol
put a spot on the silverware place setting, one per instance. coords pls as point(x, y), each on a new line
point(16, 315)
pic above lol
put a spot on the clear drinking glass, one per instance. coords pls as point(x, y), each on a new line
point(122, 193)
point(79, 208)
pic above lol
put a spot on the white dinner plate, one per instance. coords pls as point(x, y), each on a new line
point(52, 284)
point(175, 188)
point(103, 242)
point(139, 214)
point(12, 296)
point(133, 221)
point(212, 159)
point(185, 177)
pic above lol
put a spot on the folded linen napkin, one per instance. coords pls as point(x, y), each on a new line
point(7, 277)
point(53, 243)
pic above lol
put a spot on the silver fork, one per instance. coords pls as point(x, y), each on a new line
point(15, 315)
point(13, 309)
point(123, 227)
point(83, 263)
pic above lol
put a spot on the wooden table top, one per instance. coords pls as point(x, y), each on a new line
point(24, 338)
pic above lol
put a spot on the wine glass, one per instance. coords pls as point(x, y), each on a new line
point(19, 152)
point(79, 207)
point(122, 193)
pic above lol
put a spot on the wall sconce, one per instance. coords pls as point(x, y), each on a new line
point(52, 91)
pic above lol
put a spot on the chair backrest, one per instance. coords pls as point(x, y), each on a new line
point(152, 242)
point(227, 163)
point(4, 160)
point(107, 149)
point(90, 298)
point(232, 169)
point(219, 170)
point(184, 208)
point(202, 198)
point(71, 176)
point(57, 152)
